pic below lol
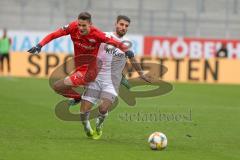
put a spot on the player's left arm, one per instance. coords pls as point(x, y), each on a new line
point(51, 36)
point(137, 66)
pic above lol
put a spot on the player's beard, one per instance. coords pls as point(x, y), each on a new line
point(120, 33)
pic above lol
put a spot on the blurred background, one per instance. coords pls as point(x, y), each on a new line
point(194, 18)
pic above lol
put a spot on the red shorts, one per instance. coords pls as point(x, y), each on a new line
point(83, 76)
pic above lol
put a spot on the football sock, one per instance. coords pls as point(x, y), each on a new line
point(100, 119)
point(84, 117)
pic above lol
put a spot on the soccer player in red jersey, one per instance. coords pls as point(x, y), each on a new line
point(86, 40)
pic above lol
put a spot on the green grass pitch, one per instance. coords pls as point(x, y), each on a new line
point(30, 130)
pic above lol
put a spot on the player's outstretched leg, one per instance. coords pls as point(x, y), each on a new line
point(64, 87)
point(84, 117)
point(86, 124)
point(99, 125)
point(103, 113)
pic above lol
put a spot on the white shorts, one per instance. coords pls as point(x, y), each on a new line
point(99, 89)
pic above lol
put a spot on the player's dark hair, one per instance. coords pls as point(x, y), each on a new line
point(85, 16)
point(126, 18)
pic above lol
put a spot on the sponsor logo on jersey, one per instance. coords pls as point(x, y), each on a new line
point(115, 52)
point(92, 40)
point(84, 46)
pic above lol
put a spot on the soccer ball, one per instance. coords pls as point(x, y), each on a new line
point(157, 141)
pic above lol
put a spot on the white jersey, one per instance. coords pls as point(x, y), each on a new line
point(112, 61)
point(111, 64)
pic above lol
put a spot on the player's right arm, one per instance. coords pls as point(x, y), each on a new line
point(104, 38)
point(54, 35)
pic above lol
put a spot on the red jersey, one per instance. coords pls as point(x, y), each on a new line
point(83, 44)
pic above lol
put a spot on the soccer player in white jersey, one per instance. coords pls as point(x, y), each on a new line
point(106, 85)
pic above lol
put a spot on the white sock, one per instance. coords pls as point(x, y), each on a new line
point(84, 117)
point(87, 125)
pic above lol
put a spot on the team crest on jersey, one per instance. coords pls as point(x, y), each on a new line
point(92, 40)
point(65, 27)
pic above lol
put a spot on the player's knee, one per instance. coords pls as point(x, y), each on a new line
point(103, 110)
point(58, 86)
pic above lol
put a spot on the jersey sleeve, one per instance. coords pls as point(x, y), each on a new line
point(105, 38)
point(63, 31)
point(129, 43)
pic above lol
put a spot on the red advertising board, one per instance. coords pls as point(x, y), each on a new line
point(193, 48)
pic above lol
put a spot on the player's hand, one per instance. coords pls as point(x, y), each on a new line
point(145, 78)
point(35, 50)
